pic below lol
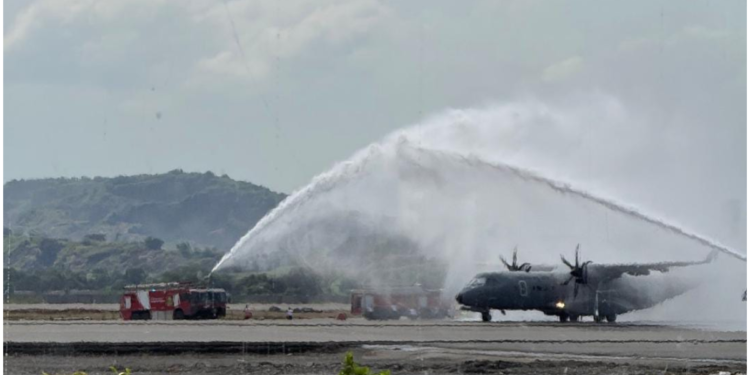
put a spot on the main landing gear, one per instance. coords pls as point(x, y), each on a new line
point(486, 316)
point(565, 317)
point(611, 318)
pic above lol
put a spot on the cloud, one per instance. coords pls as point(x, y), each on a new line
point(561, 70)
point(50, 13)
point(254, 35)
point(702, 32)
point(217, 39)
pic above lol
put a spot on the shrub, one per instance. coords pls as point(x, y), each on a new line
point(95, 237)
point(153, 243)
point(351, 368)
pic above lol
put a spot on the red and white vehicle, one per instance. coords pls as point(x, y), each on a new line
point(393, 303)
point(172, 301)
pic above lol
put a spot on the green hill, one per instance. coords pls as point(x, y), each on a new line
point(200, 208)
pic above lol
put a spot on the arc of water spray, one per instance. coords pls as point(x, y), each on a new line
point(327, 180)
point(320, 183)
point(565, 188)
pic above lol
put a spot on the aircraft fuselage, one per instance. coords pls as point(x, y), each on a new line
point(546, 292)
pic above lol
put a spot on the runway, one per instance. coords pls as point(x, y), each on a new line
point(641, 339)
point(199, 347)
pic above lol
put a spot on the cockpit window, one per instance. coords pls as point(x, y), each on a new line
point(478, 281)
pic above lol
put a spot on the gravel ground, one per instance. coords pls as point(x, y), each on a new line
point(398, 361)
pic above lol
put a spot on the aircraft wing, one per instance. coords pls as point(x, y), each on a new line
point(607, 272)
point(541, 267)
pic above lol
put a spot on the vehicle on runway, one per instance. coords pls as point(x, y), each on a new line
point(172, 301)
point(413, 302)
point(584, 289)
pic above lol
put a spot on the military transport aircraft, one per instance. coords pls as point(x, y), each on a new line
point(586, 289)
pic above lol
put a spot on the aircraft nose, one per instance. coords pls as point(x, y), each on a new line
point(459, 298)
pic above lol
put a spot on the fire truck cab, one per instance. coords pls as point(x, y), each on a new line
point(172, 301)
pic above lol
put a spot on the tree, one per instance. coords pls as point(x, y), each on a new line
point(134, 275)
point(261, 284)
point(95, 237)
point(302, 282)
point(184, 249)
point(49, 249)
point(153, 243)
point(99, 278)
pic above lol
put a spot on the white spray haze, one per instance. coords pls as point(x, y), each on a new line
point(460, 189)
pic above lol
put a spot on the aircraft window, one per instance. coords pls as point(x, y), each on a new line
point(478, 281)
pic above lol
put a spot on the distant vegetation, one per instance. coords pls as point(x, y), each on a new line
point(41, 265)
point(71, 237)
point(199, 208)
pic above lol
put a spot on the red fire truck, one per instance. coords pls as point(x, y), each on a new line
point(393, 303)
point(172, 301)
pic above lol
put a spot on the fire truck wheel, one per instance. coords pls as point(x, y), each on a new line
point(178, 315)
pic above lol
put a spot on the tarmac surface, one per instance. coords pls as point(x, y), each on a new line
point(632, 340)
point(316, 346)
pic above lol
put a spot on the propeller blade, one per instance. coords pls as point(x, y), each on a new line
point(515, 256)
point(585, 271)
point(578, 246)
point(502, 259)
point(575, 291)
point(566, 262)
point(525, 267)
point(568, 280)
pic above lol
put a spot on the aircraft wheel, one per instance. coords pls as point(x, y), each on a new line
point(563, 318)
point(486, 316)
point(611, 318)
point(598, 318)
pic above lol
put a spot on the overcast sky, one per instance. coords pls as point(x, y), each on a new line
point(276, 92)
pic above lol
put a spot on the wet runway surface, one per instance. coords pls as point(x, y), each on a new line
point(316, 346)
point(581, 339)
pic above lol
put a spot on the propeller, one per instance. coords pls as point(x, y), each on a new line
point(515, 266)
point(578, 272)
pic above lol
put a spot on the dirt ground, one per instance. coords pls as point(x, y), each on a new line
point(72, 312)
point(397, 361)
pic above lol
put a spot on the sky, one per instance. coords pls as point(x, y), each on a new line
point(277, 92)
